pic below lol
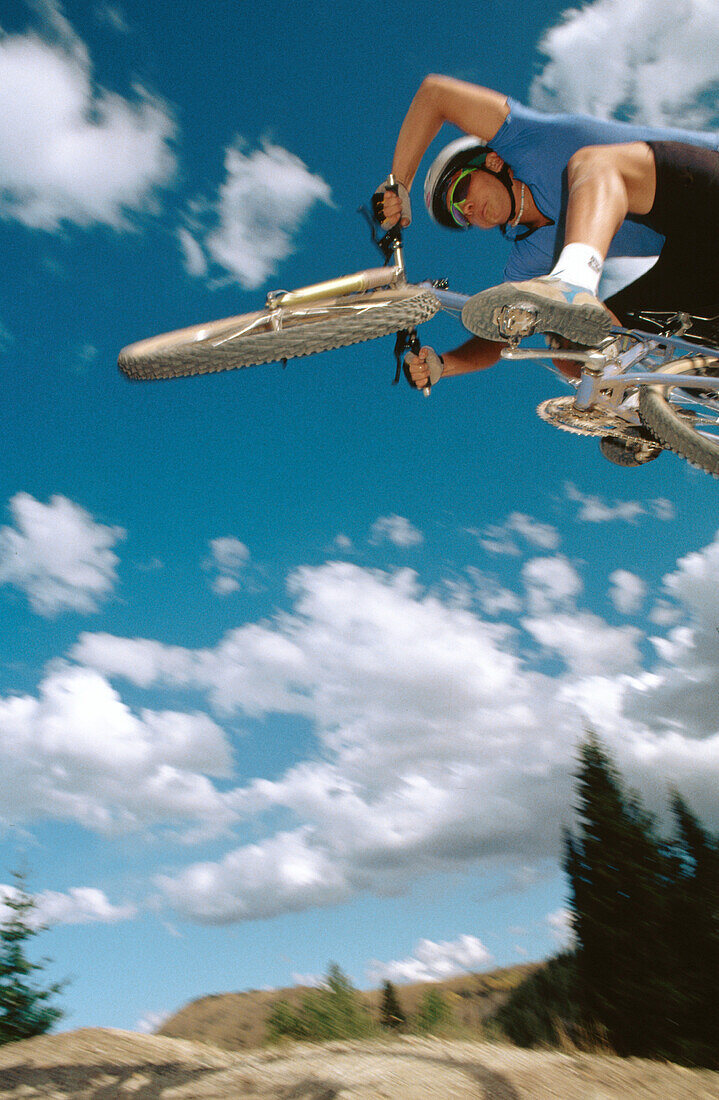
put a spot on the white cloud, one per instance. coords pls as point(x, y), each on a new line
point(281, 875)
point(662, 509)
point(437, 744)
point(495, 539)
point(80, 905)
point(664, 613)
point(586, 644)
point(649, 61)
point(264, 198)
point(595, 510)
point(397, 530)
point(500, 538)
point(151, 1022)
point(680, 694)
point(492, 597)
point(433, 962)
point(227, 560)
point(424, 713)
point(627, 591)
point(77, 753)
point(58, 555)
point(550, 583)
point(72, 152)
point(538, 534)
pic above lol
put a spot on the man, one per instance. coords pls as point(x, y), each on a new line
point(582, 199)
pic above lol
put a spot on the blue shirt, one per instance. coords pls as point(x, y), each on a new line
point(537, 147)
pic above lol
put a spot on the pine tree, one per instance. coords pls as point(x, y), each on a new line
point(693, 959)
point(24, 1007)
point(617, 878)
point(391, 1014)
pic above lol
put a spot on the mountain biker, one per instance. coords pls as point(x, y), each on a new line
point(589, 205)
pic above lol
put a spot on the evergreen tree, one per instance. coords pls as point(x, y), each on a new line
point(542, 1010)
point(617, 874)
point(693, 958)
point(391, 1014)
point(24, 1007)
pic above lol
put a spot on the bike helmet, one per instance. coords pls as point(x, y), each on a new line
point(466, 153)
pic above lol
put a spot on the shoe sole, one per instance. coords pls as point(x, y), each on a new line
point(503, 313)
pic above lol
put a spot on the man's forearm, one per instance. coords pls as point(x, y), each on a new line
point(476, 354)
point(439, 99)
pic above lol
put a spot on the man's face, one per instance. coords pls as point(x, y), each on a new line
point(487, 204)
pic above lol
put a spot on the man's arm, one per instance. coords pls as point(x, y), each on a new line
point(476, 354)
point(474, 109)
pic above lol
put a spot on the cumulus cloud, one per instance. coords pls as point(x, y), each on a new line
point(58, 555)
point(492, 597)
point(586, 644)
point(251, 225)
point(627, 591)
point(80, 905)
point(72, 152)
point(433, 962)
point(550, 583)
point(593, 509)
point(424, 713)
point(397, 530)
point(438, 745)
point(648, 61)
point(681, 690)
point(76, 752)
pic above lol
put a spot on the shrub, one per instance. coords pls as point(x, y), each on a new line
point(334, 1011)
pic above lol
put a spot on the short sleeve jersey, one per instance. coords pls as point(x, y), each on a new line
point(537, 147)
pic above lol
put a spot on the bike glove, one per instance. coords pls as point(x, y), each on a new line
point(435, 367)
point(378, 198)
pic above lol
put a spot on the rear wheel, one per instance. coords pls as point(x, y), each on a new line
point(682, 420)
point(271, 336)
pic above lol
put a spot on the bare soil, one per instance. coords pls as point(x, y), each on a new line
point(98, 1064)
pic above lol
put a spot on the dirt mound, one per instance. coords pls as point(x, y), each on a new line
point(109, 1065)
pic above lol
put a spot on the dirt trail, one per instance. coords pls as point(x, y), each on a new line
point(98, 1064)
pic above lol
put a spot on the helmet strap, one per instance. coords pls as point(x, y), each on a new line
point(505, 178)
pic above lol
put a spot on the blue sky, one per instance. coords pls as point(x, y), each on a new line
point(295, 664)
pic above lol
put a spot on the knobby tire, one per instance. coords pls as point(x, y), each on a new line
point(217, 346)
point(672, 427)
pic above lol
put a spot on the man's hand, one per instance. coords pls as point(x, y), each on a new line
point(424, 369)
point(390, 204)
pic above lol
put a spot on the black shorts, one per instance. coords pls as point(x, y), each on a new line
point(686, 213)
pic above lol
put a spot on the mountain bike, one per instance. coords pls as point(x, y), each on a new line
point(643, 390)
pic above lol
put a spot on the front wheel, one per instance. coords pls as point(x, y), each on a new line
point(270, 336)
point(682, 420)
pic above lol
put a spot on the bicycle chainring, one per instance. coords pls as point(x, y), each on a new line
point(562, 413)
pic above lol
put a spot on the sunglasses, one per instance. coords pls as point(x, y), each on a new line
point(457, 196)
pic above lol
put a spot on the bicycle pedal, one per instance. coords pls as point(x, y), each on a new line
point(514, 322)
